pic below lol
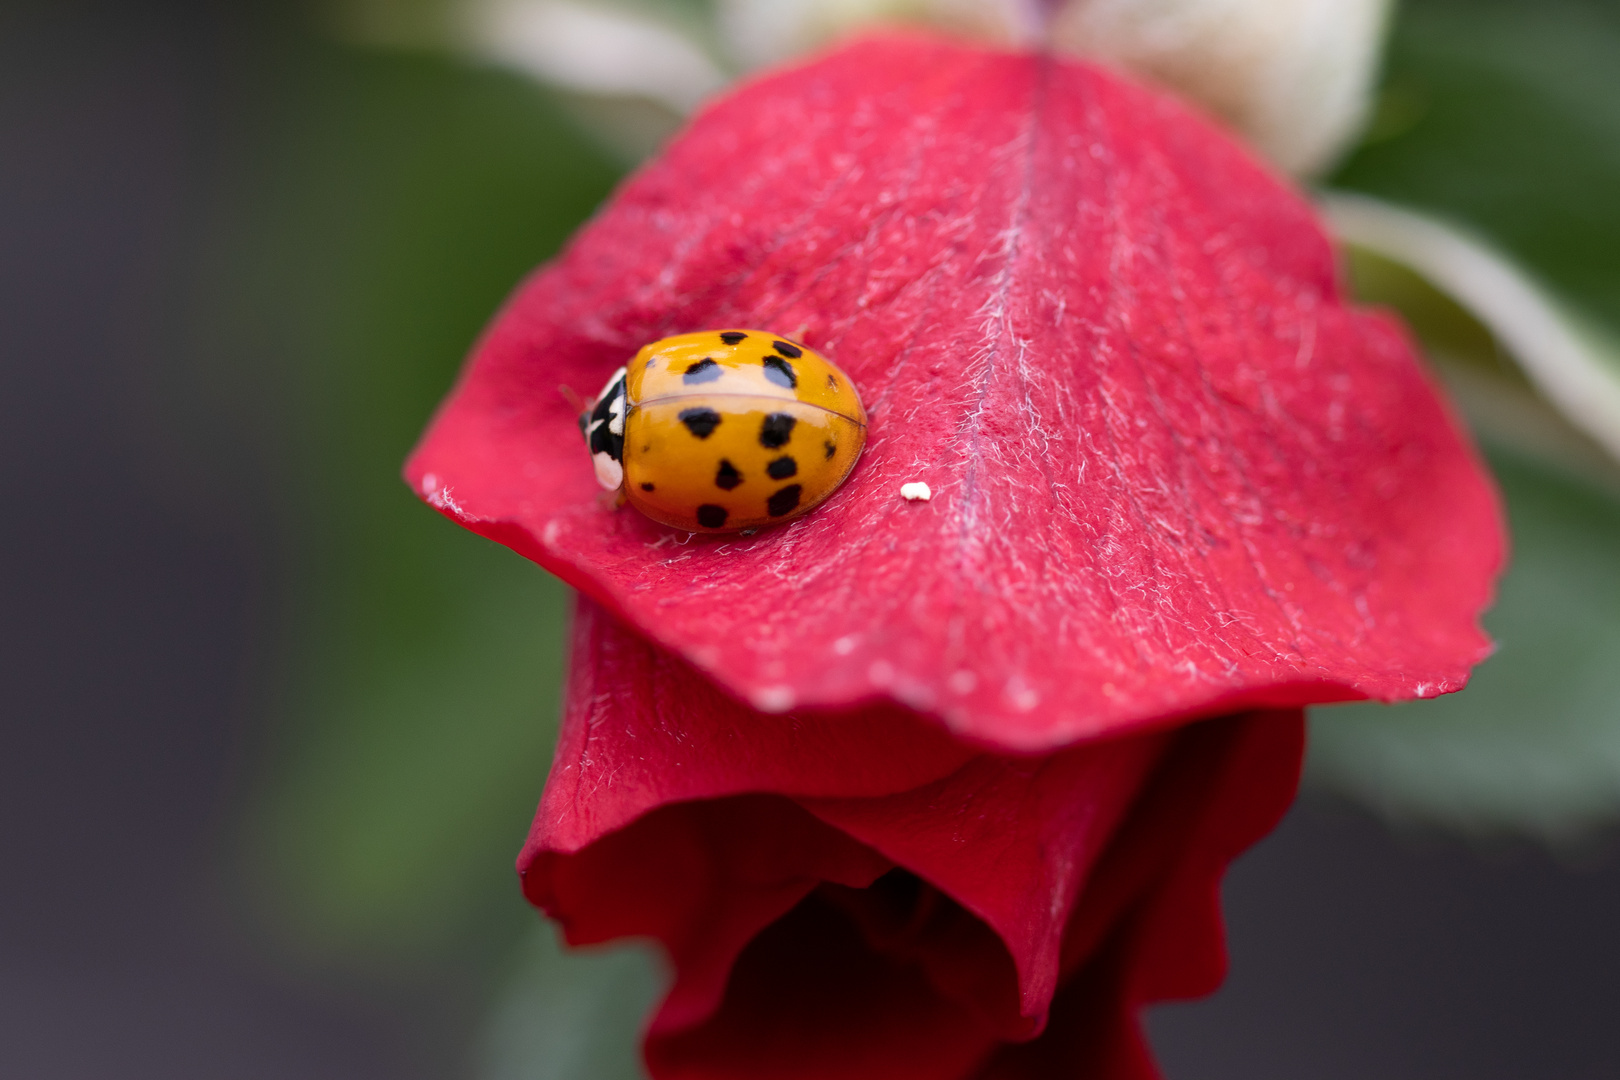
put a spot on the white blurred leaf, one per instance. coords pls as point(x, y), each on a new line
point(1567, 361)
point(760, 32)
point(594, 49)
point(1292, 76)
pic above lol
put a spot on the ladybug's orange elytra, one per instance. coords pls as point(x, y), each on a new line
point(725, 429)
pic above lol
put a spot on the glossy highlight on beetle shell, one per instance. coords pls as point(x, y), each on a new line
point(725, 429)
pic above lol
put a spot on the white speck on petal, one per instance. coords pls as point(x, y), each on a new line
point(773, 699)
point(430, 483)
point(915, 694)
point(963, 681)
point(846, 644)
point(1020, 695)
point(916, 491)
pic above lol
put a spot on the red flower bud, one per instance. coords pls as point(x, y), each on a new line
point(1174, 476)
point(864, 896)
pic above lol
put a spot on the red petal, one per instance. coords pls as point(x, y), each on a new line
point(1084, 876)
point(1173, 473)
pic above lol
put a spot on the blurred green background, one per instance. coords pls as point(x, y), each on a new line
point(378, 209)
point(1504, 118)
point(363, 215)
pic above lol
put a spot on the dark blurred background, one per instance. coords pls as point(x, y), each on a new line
point(271, 731)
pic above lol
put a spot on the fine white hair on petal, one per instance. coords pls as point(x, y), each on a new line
point(1293, 76)
point(594, 50)
point(1563, 360)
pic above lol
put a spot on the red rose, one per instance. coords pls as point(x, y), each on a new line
point(1175, 478)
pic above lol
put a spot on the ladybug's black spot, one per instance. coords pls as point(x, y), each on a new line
point(780, 372)
point(782, 468)
point(784, 501)
point(792, 352)
point(832, 448)
point(646, 487)
point(701, 422)
point(832, 383)
point(710, 516)
point(705, 370)
point(731, 337)
point(775, 431)
point(727, 477)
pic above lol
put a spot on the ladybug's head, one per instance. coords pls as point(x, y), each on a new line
point(603, 427)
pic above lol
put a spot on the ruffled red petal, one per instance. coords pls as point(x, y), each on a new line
point(1173, 473)
point(856, 896)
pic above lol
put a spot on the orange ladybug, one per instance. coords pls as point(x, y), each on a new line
point(725, 430)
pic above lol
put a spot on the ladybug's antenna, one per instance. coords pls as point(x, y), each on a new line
point(575, 402)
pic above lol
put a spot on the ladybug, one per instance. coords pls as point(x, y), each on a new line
point(725, 430)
